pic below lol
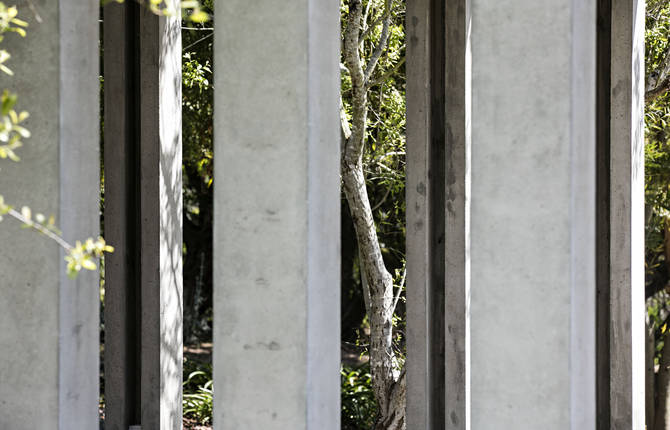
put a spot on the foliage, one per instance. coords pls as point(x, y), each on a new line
point(657, 151)
point(657, 189)
point(359, 409)
point(81, 255)
point(197, 398)
point(197, 132)
point(372, 158)
point(11, 130)
point(193, 10)
point(384, 154)
point(9, 22)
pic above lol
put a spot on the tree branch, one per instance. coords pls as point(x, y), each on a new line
point(374, 24)
point(381, 45)
point(40, 228)
point(388, 74)
point(659, 83)
point(402, 284)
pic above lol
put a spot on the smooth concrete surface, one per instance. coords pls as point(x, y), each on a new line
point(533, 215)
point(144, 213)
point(627, 307)
point(277, 202)
point(49, 341)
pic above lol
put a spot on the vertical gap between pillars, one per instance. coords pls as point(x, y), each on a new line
point(603, 114)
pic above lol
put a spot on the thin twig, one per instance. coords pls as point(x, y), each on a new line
point(41, 228)
point(382, 44)
point(367, 11)
point(33, 9)
point(402, 284)
point(372, 26)
point(198, 41)
point(381, 202)
point(388, 74)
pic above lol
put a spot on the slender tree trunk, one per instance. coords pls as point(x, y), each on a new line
point(387, 381)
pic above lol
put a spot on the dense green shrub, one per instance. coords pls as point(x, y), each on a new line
point(197, 400)
point(359, 408)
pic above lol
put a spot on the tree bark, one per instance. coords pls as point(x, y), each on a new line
point(387, 381)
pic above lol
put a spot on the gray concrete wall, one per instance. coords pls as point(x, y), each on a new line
point(533, 213)
point(276, 230)
point(49, 342)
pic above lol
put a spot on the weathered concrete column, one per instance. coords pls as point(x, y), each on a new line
point(425, 267)
point(438, 181)
point(277, 204)
point(532, 251)
point(621, 307)
point(143, 218)
point(49, 337)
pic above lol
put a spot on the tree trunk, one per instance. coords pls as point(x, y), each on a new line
point(387, 382)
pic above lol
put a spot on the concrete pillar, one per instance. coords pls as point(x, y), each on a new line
point(277, 200)
point(533, 215)
point(518, 211)
point(143, 218)
point(621, 307)
point(49, 338)
point(438, 181)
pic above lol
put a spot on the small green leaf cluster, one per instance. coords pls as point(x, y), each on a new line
point(9, 23)
point(11, 131)
point(195, 73)
point(193, 10)
point(198, 394)
point(84, 255)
